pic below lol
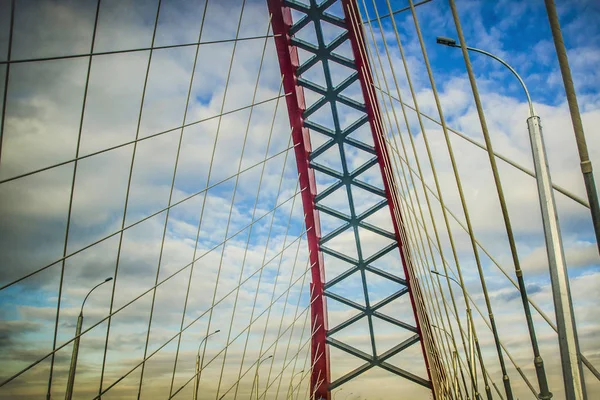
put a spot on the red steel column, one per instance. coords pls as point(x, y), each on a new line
point(351, 15)
point(288, 61)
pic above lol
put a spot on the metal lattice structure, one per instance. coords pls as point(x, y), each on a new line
point(342, 140)
point(271, 199)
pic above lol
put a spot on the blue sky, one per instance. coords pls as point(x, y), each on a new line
point(43, 111)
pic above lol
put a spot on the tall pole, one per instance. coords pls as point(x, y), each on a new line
point(199, 364)
point(256, 377)
point(473, 345)
point(584, 158)
point(290, 391)
point(454, 368)
point(73, 367)
point(567, 332)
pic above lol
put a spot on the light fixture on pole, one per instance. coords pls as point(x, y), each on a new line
point(199, 364)
point(470, 338)
point(290, 391)
point(454, 353)
point(563, 304)
point(256, 377)
point(73, 367)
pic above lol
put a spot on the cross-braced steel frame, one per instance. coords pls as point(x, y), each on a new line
point(364, 112)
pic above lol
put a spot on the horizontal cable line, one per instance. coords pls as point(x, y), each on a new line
point(585, 361)
point(147, 218)
point(248, 327)
point(140, 139)
point(396, 12)
point(192, 323)
point(148, 291)
point(500, 156)
point(104, 53)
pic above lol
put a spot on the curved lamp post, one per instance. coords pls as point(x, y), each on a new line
point(471, 339)
point(290, 391)
point(337, 393)
point(563, 304)
point(73, 367)
point(199, 364)
point(454, 361)
point(256, 374)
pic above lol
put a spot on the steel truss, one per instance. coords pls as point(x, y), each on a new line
point(310, 34)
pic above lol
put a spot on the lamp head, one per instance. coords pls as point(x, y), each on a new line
point(110, 278)
point(217, 331)
point(445, 41)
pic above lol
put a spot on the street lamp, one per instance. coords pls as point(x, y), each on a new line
point(198, 363)
point(470, 332)
point(445, 276)
point(291, 382)
point(256, 377)
point(454, 354)
point(73, 367)
point(567, 332)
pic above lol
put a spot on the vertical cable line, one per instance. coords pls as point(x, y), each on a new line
point(127, 193)
point(164, 233)
point(413, 145)
point(228, 221)
point(256, 201)
point(208, 175)
point(274, 291)
point(413, 94)
point(395, 146)
point(538, 362)
point(261, 273)
point(378, 137)
point(7, 76)
point(309, 372)
point(427, 345)
point(505, 377)
point(193, 322)
point(542, 314)
point(159, 284)
point(292, 333)
point(187, 293)
point(73, 180)
point(525, 379)
point(420, 250)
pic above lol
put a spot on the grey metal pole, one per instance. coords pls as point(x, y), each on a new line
point(561, 292)
point(73, 366)
point(473, 345)
point(199, 364)
point(256, 377)
point(584, 158)
point(291, 382)
point(454, 369)
point(71, 380)
point(568, 341)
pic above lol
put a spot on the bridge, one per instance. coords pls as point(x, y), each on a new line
point(299, 199)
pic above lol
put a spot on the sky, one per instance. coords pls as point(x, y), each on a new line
point(259, 216)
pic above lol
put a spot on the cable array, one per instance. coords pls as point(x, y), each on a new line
point(196, 217)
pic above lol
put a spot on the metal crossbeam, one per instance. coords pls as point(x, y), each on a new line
point(305, 48)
